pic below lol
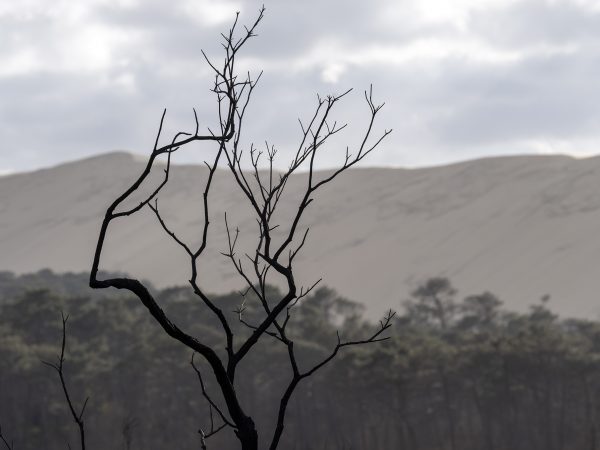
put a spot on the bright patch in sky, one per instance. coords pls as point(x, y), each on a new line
point(210, 12)
point(455, 12)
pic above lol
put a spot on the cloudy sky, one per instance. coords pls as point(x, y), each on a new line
point(461, 79)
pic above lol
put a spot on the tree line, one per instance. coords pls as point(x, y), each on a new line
point(459, 372)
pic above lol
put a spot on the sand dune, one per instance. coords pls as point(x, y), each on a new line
point(519, 226)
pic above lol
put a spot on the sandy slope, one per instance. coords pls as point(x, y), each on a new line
point(519, 226)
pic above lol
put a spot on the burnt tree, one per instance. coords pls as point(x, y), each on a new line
point(59, 368)
point(273, 254)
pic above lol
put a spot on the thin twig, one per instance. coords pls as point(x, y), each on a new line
point(211, 403)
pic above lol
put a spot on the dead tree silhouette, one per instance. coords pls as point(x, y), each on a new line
point(59, 368)
point(263, 193)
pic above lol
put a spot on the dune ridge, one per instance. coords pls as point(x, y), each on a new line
point(519, 226)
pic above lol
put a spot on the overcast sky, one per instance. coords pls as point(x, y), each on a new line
point(461, 79)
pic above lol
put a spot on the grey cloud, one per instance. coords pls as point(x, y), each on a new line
point(538, 22)
point(58, 118)
point(548, 97)
point(440, 110)
point(289, 29)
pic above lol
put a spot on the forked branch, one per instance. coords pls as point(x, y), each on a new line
point(58, 367)
point(210, 401)
point(298, 376)
point(384, 324)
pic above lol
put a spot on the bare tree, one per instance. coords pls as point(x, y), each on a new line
point(59, 368)
point(273, 254)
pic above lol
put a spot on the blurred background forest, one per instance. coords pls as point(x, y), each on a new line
point(458, 373)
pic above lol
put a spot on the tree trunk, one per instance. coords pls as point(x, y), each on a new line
point(247, 434)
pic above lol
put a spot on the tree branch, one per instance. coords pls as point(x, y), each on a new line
point(9, 446)
point(383, 326)
point(211, 403)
